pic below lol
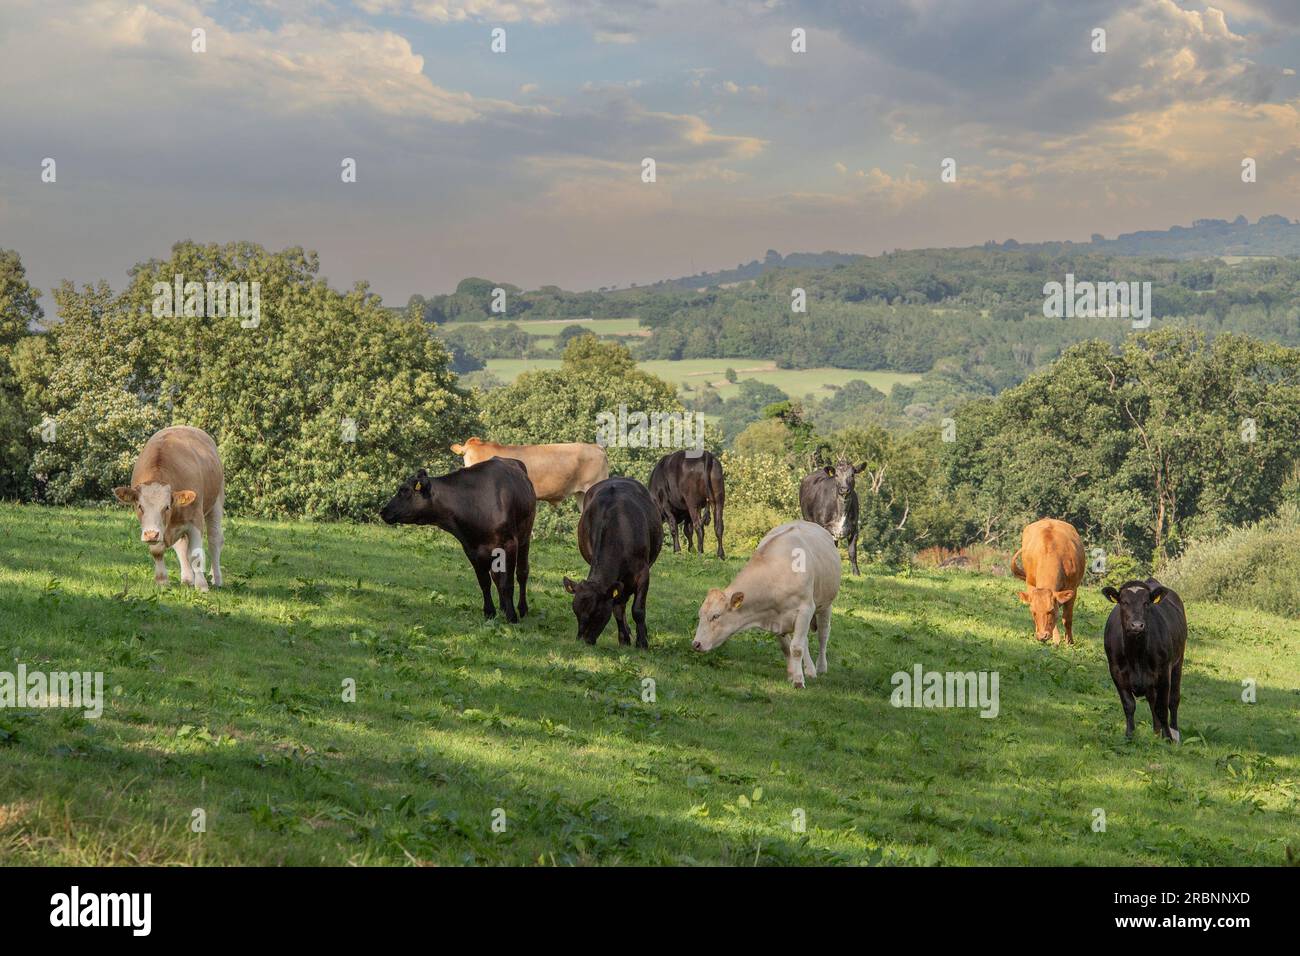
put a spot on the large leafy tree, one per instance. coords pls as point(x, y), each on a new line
point(318, 410)
point(19, 313)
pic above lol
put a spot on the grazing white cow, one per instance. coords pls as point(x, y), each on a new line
point(786, 587)
point(177, 485)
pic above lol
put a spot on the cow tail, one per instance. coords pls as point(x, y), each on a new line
point(1017, 568)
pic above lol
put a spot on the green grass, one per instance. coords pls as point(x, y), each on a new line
point(231, 702)
point(797, 383)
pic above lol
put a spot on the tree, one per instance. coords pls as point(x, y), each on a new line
point(319, 410)
point(19, 313)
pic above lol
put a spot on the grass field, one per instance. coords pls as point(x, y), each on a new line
point(231, 702)
point(797, 383)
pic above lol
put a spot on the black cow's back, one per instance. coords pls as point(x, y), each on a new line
point(620, 525)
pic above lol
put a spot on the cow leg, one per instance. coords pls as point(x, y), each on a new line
point(620, 615)
point(483, 571)
point(1129, 703)
point(521, 575)
point(1175, 695)
point(717, 528)
point(1158, 698)
point(697, 528)
point(215, 540)
point(1067, 616)
point(824, 637)
point(198, 562)
point(672, 526)
point(182, 548)
point(853, 551)
point(799, 656)
point(638, 611)
point(505, 581)
point(159, 565)
point(791, 661)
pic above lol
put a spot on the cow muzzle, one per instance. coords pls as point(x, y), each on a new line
point(151, 536)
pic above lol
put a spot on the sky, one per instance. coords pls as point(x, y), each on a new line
point(525, 166)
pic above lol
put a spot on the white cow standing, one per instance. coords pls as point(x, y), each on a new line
point(787, 587)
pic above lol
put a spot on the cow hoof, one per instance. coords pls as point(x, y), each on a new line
point(799, 685)
point(1175, 736)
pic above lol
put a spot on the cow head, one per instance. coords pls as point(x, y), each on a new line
point(592, 605)
point(844, 473)
point(413, 502)
point(470, 451)
point(1134, 599)
point(1043, 603)
point(155, 504)
point(719, 619)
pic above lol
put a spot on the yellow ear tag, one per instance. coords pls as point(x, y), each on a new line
point(419, 487)
point(614, 593)
point(1157, 599)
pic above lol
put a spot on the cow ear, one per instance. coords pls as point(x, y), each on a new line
point(859, 469)
point(737, 600)
point(1158, 595)
point(126, 494)
point(1024, 597)
point(182, 499)
point(570, 585)
point(1111, 595)
point(1064, 597)
point(458, 449)
point(421, 474)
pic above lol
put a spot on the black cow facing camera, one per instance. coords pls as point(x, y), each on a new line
point(827, 497)
point(489, 508)
point(1146, 635)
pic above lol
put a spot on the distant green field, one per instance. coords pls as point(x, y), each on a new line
point(231, 702)
point(551, 327)
point(797, 383)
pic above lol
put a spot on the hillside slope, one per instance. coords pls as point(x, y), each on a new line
point(231, 703)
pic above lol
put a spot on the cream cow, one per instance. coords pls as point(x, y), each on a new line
point(787, 587)
point(177, 487)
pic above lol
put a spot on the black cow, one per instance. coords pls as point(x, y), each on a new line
point(489, 508)
point(1146, 634)
point(827, 498)
point(686, 488)
point(620, 535)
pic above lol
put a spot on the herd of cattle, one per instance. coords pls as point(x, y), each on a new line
point(787, 587)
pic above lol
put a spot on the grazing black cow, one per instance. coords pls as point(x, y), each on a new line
point(686, 489)
point(827, 498)
point(1146, 634)
point(489, 508)
point(620, 535)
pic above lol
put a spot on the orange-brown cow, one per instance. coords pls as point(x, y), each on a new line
point(556, 471)
point(1051, 564)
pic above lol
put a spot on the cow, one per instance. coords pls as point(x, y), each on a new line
point(489, 508)
point(1050, 562)
point(556, 471)
point(1145, 636)
point(178, 489)
point(686, 486)
point(787, 587)
point(619, 536)
point(827, 498)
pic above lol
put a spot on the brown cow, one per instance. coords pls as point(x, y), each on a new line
point(1051, 563)
point(556, 471)
point(177, 486)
